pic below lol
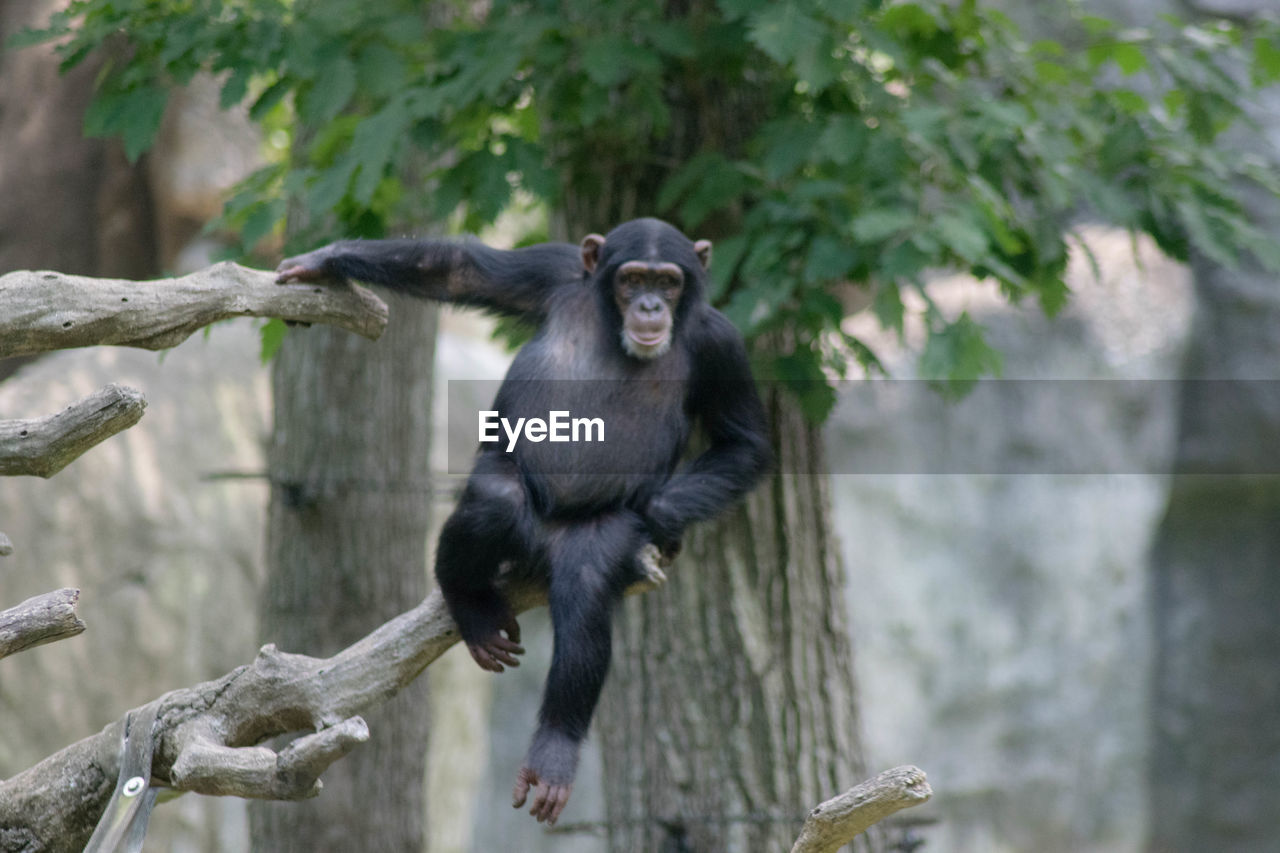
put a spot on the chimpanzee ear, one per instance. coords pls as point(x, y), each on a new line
point(703, 249)
point(591, 246)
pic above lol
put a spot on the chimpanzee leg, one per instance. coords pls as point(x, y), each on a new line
point(491, 524)
point(592, 562)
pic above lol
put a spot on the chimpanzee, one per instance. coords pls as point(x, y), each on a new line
point(624, 334)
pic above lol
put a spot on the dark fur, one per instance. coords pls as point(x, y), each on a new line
point(577, 514)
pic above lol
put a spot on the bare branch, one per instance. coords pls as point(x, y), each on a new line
point(834, 823)
point(49, 310)
point(207, 736)
point(293, 774)
point(36, 621)
point(44, 446)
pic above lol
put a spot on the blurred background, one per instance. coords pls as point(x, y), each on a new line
point(1063, 605)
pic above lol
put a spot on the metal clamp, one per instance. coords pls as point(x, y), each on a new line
point(124, 823)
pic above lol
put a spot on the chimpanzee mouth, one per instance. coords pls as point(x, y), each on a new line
point(647, 339)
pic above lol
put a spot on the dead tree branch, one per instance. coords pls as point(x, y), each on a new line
point(44, 446)
point(834, 823)
point(207, 736)
point(36, 621)
point(49, 310)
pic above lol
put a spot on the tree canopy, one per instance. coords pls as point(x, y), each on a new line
point(877, 141)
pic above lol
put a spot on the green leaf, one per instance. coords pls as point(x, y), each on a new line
point(1129, 57)
point(881, 223)
point(134, 114)
point(272, 336)
point(962, 236)
point(718, 188)
point(1052, 291)
point(235, 87)
point(329, 188)
point(957, 355)
point(259, 223)
point(843, 139)
point(801, 373)
point(725, 260)
point(1052, 73)
point(1200, 118)
point(784, 32)
point(1266, 61)
point(888, 307)
point(909, 20)
point(374, 146)
point(330, 93)
point(273, 95)
point(735, 9)
point(906, 260)
point(613, 59)
point(1129, 101)
point(671, 38)
point(30, 37)
point(380, 71)
point(787, 147)
point(1096, 25)
point(1205, 235)
point(828, 260)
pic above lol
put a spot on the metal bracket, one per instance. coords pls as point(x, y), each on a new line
point(124, 823)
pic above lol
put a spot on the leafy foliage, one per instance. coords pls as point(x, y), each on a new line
point(827, 141)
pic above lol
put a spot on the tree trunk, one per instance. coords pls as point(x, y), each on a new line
point(1215, 762)
point(346, 551)
point(732, 707)
point(1215, 746)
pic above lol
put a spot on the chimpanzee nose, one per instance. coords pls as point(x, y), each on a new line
point(649, 303)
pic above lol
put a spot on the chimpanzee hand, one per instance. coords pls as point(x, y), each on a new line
point(665, 530)
point(548, 771)
point(308, 267)
point(549, 799)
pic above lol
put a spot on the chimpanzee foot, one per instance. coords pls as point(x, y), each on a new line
point(495, 650)
point(548, 799)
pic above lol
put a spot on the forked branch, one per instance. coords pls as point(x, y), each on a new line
point(207, 736)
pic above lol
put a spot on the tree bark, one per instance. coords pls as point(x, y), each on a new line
point(50, 310)
point(732, 707)
point(207, 737)
point(833, 823)
point(44, 619)
point(346, 550)
point(42, 447)
point(1215, 747)
point(67, 197)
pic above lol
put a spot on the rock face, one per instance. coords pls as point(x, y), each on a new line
point(1001, 614)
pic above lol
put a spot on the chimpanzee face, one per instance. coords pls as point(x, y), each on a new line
point(647, 294)
point(649, 263)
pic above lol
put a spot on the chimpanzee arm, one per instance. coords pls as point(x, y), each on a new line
point(516, 282)
point(725, 401)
